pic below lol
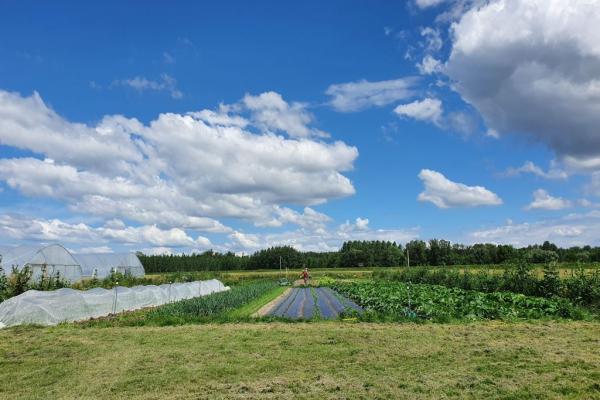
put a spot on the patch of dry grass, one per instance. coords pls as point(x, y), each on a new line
point(305, 360)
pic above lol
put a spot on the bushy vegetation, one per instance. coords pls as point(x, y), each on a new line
point(20, 281)
point(581, 287)
point(355, 254)
point(399, 300)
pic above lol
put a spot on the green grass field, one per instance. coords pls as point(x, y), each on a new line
point(492, 360)
point(227, 354)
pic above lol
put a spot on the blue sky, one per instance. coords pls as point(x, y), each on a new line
point(241, 125)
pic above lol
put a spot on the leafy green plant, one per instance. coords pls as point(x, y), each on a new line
point(19, 280)
point(48, 282)
point(398, 300)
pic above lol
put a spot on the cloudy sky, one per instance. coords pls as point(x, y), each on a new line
point(241, 125)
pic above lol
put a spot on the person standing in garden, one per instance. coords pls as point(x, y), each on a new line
point(305, 276)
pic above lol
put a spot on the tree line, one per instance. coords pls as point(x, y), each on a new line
point(356, 254)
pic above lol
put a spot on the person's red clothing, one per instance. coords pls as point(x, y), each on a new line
point(305, 276)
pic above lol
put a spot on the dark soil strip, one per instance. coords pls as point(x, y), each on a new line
point(300, 304)
point(345, 302)
point(281, 310)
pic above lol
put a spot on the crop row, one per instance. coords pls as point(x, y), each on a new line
point(438, 303)
point(211, 308)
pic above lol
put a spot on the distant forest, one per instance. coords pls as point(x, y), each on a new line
point(355, 254)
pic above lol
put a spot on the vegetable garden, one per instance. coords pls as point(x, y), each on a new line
point(404, 301)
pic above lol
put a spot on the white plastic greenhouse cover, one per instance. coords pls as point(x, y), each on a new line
point(62, 305)
point(72, 267)
point(54, 258)
point(101, 265)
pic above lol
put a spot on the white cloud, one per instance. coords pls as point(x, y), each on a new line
point(429, 65)
point(55, 230)
point(271, 112)
point(433, 39)
point(571, 230)
point(542, 200)
point(444, 193)
point(93, 250)
point(166, 83)
point(157, 251)
point(245, 241)
point(321, 239)
point(428, 109)
point(180, 170)
point(531, 68)
point(362, 223)
point(27, 123)
point(355, 96)
point(428, 3)
point(492, 133)
point(530, 168)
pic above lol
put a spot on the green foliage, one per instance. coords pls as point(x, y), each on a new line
point(20, 280)
point(3, 285)
point(48, 282)
point(398, 300)
point(360, 254)
point(371, 254)
point(207, 261)
point(269, 258)
point(581, 287)
point(211, 308)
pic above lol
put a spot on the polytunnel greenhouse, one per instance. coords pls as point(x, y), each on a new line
point(55, 259)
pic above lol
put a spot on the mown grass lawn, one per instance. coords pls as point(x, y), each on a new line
point(303, 360)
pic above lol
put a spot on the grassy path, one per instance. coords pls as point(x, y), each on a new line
point(328, 360)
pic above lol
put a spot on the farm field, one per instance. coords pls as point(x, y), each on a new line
point(564, 269)
point(493, 360)
point(418, 341)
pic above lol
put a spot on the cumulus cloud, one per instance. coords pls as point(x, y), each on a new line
point(322, 239)
point(428, 109)
point(355, 96)
point(179, 170)
point(571, 230)
point(531, 68)
point(56, 230)
point(272, 113)
point(542, 200)
point(444, 193)
point(28, 123)
point(166, 83)
point(530, 168)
